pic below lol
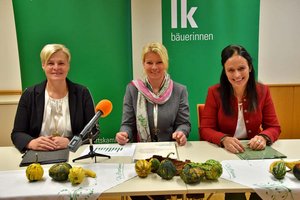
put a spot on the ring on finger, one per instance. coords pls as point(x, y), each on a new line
point(258, 141)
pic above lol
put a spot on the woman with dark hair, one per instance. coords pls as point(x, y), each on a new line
point(239, 107)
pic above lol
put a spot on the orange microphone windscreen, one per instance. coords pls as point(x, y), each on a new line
point(105, 106)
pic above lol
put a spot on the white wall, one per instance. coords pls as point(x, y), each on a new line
point(279, 42)
point(146, 27)
point(10, 78)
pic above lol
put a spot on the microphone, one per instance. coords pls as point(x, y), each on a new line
point(102, 109)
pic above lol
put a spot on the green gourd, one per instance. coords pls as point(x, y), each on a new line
point(60, 171)
point(279, 170)
point(166, 169)
point(191, 174)
point(154, 164)
point(213, 169)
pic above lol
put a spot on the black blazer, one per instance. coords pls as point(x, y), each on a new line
point(29, 116)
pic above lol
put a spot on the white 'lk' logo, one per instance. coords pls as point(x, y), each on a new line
point(185, 16)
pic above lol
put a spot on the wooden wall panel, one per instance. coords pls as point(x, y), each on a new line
point(283, 101)
point(286, 99)
point(296, 114)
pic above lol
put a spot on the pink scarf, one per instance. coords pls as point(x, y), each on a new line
point(145, 94)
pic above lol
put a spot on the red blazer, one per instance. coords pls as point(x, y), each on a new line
point(215, 124)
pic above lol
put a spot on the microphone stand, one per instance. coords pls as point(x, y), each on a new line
point(92, 153)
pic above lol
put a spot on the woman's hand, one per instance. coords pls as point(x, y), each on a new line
point(180, 138)
point(60, 142)
point(43, 143)
point(122, 138)
point(257, 143)
point(233, 144)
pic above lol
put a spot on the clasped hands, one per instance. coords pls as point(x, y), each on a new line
point(179, 136)
point(48, 143)
point(234, 145)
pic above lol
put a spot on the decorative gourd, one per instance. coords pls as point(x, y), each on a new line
point(76, 175)
point(167, 169)
point(142, 168)
point(279, 170)
point(213, 169)
point(273, 164)
point(90, 173)
point(296, 171)
point(291, 164)
point(213, 162)
point(190, 174)
point(60, 171)
point(154, 164)
point(34, 172)
point(178, 163)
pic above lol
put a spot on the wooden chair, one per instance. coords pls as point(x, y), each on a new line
point(200, 108)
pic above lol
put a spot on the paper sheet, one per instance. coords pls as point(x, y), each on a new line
point(112, 149)
point(255, 174)
point(147, 150)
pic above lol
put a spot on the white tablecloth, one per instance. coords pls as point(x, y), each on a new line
point(255, 174)
point(14, 184)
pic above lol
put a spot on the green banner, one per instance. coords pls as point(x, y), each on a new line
point(196, 31)
point(98, 34)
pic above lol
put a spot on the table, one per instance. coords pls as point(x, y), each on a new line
point(153, 185)
point(196, 151)
point(210, 151)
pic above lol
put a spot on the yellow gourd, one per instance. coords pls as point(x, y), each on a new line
point(76, 175)
point(142, 168)
point(90, 173)
point(291, 164)
point(35, 172)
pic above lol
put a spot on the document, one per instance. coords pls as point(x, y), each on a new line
point(147, 150)
point(112, 149)
point(45, 157)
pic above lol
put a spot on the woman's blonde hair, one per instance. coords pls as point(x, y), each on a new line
point(50, 49)
point(158, 48)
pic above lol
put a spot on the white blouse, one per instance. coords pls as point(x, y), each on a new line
point(56, 120)
point(240, 131)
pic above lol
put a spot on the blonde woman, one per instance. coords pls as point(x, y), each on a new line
point(50, 113)
point(155, 108)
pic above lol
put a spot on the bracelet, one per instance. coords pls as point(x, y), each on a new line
point(222, 139)
point(268, 140)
